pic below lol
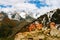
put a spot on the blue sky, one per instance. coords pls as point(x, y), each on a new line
point(37, 3)
point(5, 6)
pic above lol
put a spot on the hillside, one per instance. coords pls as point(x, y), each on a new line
point(9, 28)
point(44, 33)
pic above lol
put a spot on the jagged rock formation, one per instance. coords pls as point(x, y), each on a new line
point(52, 16)
point(19, 26)
point(6, 25)
point(45, 19)
point(9, 27)
point(56, 17)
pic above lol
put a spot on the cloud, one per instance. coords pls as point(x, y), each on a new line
point(38, 3)
point(17, 5)
point(52, 4)
point(24, 6)
point(11, 1)
point(37, 7)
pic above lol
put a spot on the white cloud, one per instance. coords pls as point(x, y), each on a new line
point(53, 4)
point(11, 1)
point(24, 6)
point(19, 4)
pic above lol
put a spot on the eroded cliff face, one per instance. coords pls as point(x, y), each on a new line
point(10, 28)
point(38, 35)
point(56, 17)
point(45, 32)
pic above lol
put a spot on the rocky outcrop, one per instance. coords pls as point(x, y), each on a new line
point(52, 16)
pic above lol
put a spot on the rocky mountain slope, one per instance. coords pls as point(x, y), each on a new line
point(12, 27)
point(44, 34)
